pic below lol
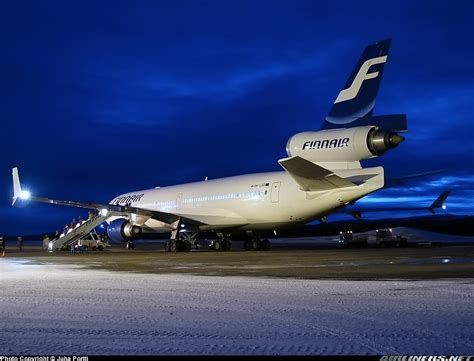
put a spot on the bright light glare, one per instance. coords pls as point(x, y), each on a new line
point(104, 212)
point(443, 206)
point(25, 195)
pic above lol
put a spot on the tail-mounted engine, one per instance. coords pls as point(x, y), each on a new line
point(342, 145)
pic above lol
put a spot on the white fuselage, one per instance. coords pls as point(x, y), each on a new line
point(248, 202)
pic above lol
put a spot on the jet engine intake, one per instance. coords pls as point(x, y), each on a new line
point(121, 230)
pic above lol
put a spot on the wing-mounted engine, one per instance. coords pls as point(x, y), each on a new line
point(122, 230)
point(342, 145)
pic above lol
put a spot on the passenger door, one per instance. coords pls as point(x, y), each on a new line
point(179, 200)
point(275, 194)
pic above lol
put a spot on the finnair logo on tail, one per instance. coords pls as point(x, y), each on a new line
point(353, 90)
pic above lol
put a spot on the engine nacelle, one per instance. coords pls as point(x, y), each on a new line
point(342, 145)
point(121, 230)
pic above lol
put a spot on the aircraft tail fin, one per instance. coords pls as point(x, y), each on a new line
point(355, 102)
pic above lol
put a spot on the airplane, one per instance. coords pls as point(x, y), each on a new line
point(321, 175)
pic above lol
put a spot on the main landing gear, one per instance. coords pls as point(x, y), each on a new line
point(181, 240)
point(257, 244)
point(130, 245)
point(222, 244)
point(177, 245)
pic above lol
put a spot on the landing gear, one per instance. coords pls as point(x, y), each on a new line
point(177, 245)
point(130, 245)
point(218, 245)
point(222, 244)
point(266, 245)
point(257, 244)
point(180, 241)
point(248, 244)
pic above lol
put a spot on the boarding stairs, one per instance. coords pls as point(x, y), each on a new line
point(80, 231)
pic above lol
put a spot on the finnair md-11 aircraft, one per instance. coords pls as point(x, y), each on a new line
point(322, 174)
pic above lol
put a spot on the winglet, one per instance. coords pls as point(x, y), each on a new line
point(18, 193)
point(439, 202)
point(16, 185)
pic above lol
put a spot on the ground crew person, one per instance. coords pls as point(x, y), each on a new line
point(20, 243)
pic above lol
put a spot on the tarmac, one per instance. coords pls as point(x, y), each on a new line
point(289, 258)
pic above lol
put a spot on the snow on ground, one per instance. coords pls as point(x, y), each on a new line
point(65, 310)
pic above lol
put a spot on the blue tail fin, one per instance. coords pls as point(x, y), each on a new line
point(355, 103)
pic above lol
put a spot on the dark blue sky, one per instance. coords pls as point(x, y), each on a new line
point(100, 98)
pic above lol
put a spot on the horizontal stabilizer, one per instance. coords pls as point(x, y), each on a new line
point(356, 212)
point(312, 177)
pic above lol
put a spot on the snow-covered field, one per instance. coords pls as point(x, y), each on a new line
point(64, 310)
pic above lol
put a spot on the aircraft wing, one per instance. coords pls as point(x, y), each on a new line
point(312, 177)
point(356, 212)
point(21, 196)
point(394, 182)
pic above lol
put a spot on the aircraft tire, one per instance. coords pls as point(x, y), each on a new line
point(226, 245)
point(256, 245)
point(187, 246)
point(266, 245)
point(218, 245)
point(173, 246)
point(248, 245)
